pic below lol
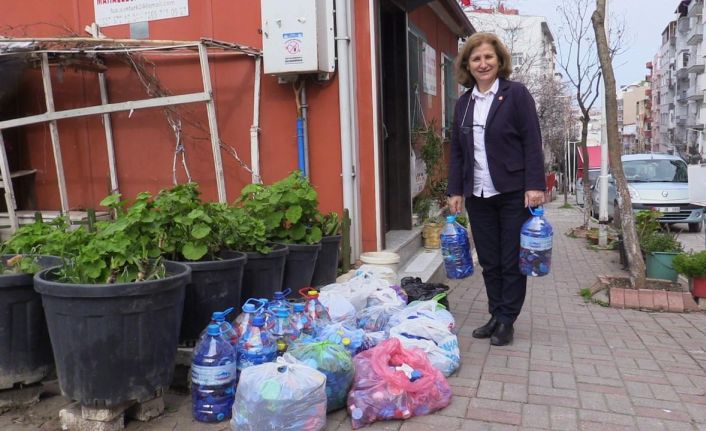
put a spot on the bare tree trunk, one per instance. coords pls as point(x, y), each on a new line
point(627, 221)
point(587, 196)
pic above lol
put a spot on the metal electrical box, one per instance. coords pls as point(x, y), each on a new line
point(298, 36)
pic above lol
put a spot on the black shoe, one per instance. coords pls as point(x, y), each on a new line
point(486, 330)
point(502, 335)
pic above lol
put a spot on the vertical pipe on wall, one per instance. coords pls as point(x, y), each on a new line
point(300, 145)
point(375, 99)
point(305, 128)
point(344, 94)
point(255, 128)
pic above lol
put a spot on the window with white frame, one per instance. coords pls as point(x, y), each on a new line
point(450, 93)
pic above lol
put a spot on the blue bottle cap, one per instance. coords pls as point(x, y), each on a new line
point(539, 211)
point(220, 316)
point(450, 218)
point(258, 321)
point(214, 330)
point(281, 312)
point(415, 375)
point(249, 308)
point(298, 307)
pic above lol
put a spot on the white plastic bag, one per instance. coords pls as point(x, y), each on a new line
point(378, 272)
point(339, 308)
point(430, 309)
point(434, 338)
point(356, 290)
point(284, 395)
point(386, 295)
point(373, 319)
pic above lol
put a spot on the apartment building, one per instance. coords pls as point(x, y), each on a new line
point(634, 117)
point(679, 82)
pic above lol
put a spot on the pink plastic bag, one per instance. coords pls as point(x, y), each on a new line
point(383, 388)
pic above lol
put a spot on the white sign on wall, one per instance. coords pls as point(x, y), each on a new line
point(429, 84)
point(116, 12)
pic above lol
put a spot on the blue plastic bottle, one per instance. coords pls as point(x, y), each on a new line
point(283, 331)
point(250, 309)
point(227, 331)
point(213, 372)
point(256, 346)
point(456, 250)
point(266, 313)
point(536, 245)
point(280, 300)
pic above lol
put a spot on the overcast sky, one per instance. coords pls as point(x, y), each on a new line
point(644, 19)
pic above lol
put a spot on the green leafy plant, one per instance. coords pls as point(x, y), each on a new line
point(124, 250)
point(288, 208)
point(329, 223)
point(47, 238)
point(194, 230)
point(664, 242)
point(421, 205)
point(692, 265)
point(646, 223)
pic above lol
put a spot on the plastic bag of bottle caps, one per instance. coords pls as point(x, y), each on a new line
point(392, 382)
point(334, 361)
point(373, 319)
point(430, 309)
point(536, 245)
point(386, 295)
point(340, 332)
point(432, 336)
point(339, 308)
point(284, 395)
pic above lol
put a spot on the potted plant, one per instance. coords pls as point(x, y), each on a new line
point(21, 313)
point(693, 265)
point(114, 309)
point(200, 235)
point(326, 268)
point(289, 208)
point(431, 233)
point(660, 248)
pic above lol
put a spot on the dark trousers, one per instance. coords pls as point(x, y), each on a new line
point(496, 223)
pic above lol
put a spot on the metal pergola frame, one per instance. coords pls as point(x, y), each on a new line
point(52, 116)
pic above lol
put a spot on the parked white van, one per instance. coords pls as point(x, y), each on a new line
point(656, 182)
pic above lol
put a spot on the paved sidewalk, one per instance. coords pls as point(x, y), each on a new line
point(572, 365)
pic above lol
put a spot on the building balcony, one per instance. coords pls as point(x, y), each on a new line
point(695, 67)
point(695, 36)
point(680, 120)
point(648, 65)
point(683, 25)
point(695, 94)
point(682, 96)
point(695, 8)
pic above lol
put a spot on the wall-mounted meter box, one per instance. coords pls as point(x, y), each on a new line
point(298, 36)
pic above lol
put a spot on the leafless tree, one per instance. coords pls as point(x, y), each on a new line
point(627, 221)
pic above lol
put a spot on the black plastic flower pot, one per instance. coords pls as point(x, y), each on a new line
point(114, 343)
point(326, 269)
point(25, 349)
point(299, 266)
point(215, 286)
point(264, 273)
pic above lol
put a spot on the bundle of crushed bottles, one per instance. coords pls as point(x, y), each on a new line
point(362, 345)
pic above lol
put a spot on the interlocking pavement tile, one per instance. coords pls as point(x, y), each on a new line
point(534, 415)
point(490, 389)
point(661, 413)
point(457, 408)
point(553, 401)
point(606, 418)
point(562, 418)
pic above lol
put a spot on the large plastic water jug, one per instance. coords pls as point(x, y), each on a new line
point(213, 373)
point(536, 245)
point(456, 250)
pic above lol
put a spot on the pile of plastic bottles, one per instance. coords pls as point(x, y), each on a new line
point(277, 350)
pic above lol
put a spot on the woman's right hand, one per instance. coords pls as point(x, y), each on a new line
point(455, 204)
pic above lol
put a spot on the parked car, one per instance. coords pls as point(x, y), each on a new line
point(592, 176)
point(655, 182)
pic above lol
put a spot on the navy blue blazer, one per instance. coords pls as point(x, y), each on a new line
point(513, 143)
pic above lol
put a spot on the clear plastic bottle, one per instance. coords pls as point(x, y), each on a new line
point(283, 331)
point(266, 313)
point(300, 321)
point(314, 309)
point(250, 309)
point(456, 250)
point(256, 346)
point(280, 300)
point(213, 373)
point(536, 245)
point(227, 331)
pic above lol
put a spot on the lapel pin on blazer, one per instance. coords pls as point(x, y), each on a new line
point(500, 98)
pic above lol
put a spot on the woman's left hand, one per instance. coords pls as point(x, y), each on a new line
point(534, 198)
